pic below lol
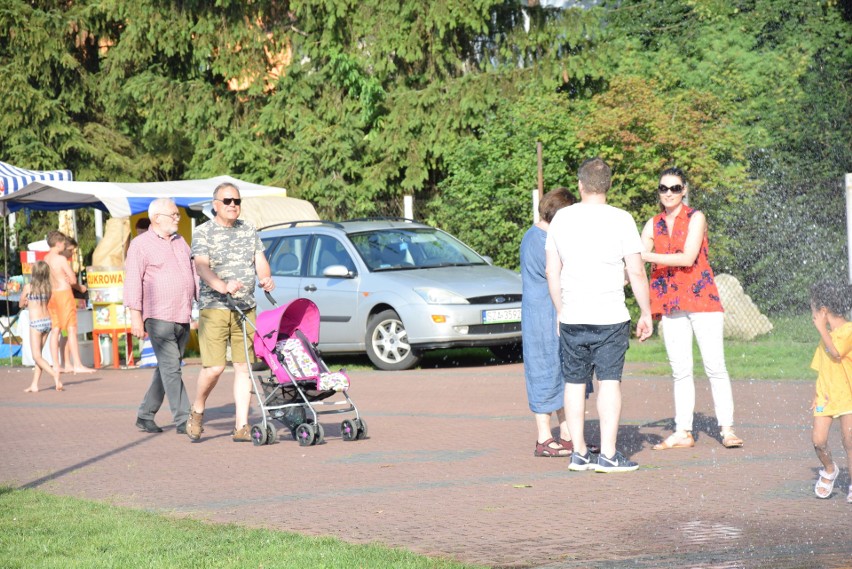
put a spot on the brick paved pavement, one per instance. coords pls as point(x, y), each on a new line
point(449, 470)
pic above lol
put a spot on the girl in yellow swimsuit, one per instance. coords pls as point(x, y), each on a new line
point(35, 296)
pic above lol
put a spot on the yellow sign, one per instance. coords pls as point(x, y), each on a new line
point(105, 279)
point(106, 292)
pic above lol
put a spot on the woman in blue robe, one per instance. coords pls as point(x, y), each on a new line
point(542, 361)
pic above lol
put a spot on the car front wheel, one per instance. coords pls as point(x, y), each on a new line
point(387, 343)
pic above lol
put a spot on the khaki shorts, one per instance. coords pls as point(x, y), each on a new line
point(218, 325)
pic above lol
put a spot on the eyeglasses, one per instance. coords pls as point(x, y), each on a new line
point(229, 201)
point(676, 189)
point(175, 215)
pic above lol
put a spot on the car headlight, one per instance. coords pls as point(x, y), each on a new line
point(440, 296)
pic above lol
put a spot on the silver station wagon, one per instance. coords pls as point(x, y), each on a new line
point(394, 288)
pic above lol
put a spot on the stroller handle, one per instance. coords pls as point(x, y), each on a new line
point(269, 298)
point(234, 305)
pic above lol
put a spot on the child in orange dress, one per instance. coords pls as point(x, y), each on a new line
point(35, 296)
point(833, 362)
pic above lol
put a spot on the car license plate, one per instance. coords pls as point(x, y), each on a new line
point(500, 316)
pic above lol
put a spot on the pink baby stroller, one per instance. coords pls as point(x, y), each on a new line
point(299, 383)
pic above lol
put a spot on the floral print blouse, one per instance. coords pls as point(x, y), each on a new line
point(688, 289)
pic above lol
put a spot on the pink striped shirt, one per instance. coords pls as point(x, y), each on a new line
point(160, 278)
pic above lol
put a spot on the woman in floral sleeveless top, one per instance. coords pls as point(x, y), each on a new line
point(685, 297)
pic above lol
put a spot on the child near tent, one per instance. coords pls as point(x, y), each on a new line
point(35, 296)
point(79, 291)
point(833, 362)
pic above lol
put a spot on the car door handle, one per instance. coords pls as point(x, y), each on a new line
point(311, 288)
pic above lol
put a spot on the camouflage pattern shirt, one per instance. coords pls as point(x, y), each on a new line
point(231, 251)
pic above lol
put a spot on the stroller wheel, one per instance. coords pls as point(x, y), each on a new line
point(320, 438)
point(362, 428)
point(271, 434)
point(258, 435)
point(348, 430)
point(305, 434)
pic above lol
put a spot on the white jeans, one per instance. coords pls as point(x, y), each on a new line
point(708, 327)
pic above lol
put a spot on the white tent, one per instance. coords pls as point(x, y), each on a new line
point(121, 199)
point(268, 211)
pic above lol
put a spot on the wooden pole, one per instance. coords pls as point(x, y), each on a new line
point(540, 171)
point(849, 222)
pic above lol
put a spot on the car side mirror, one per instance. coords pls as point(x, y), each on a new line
point(337, 271)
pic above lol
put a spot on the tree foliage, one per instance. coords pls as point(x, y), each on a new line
point(354, 104)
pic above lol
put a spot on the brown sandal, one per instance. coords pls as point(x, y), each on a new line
point(675, 440)
point(194, 426)
point(730, 439)
point(544, 449)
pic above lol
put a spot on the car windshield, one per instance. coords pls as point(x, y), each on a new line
point(405, 249)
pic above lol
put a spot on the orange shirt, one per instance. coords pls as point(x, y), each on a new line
point(688, 289)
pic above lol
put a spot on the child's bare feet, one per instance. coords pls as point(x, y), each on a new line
point(31, 389)
point(83, 369)
point(60, 387)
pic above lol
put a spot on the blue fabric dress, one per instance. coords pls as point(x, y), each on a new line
point(542, 361)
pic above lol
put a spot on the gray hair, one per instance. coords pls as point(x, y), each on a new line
point(158, 205)
point(222, 186)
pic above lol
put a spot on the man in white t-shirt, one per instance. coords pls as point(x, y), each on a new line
point(589, 245)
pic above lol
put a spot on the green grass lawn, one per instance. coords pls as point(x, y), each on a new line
point(784, 353)
point(38, 530)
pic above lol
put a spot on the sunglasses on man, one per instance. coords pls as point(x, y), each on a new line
point(229, 201)
point(676, 189)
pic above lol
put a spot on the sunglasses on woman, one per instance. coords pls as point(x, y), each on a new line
point(229, 201)
point(676, 189)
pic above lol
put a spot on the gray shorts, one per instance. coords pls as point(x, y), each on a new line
point(589, 350)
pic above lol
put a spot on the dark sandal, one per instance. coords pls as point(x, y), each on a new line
point(570, 446)
point(544, 449)
point(566, 444)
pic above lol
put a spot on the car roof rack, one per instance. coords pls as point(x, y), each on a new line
point(300, 222)
point(384, 218)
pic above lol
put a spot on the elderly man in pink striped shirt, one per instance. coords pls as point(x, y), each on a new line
point(160, 284)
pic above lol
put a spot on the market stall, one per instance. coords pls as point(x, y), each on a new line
point(122, 200)
point(12, 180)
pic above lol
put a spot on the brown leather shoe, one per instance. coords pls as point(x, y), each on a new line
point(242, 435)
point(194, 426)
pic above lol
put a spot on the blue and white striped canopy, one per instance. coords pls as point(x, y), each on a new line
point(13, 178)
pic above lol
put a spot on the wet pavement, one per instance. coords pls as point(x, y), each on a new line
point(448, 470)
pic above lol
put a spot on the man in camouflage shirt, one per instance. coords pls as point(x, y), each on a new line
point(228, 255)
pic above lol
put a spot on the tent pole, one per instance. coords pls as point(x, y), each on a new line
point(6, 274)
point(99, 225)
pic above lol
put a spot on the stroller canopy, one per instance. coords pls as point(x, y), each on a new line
point(301, 314)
